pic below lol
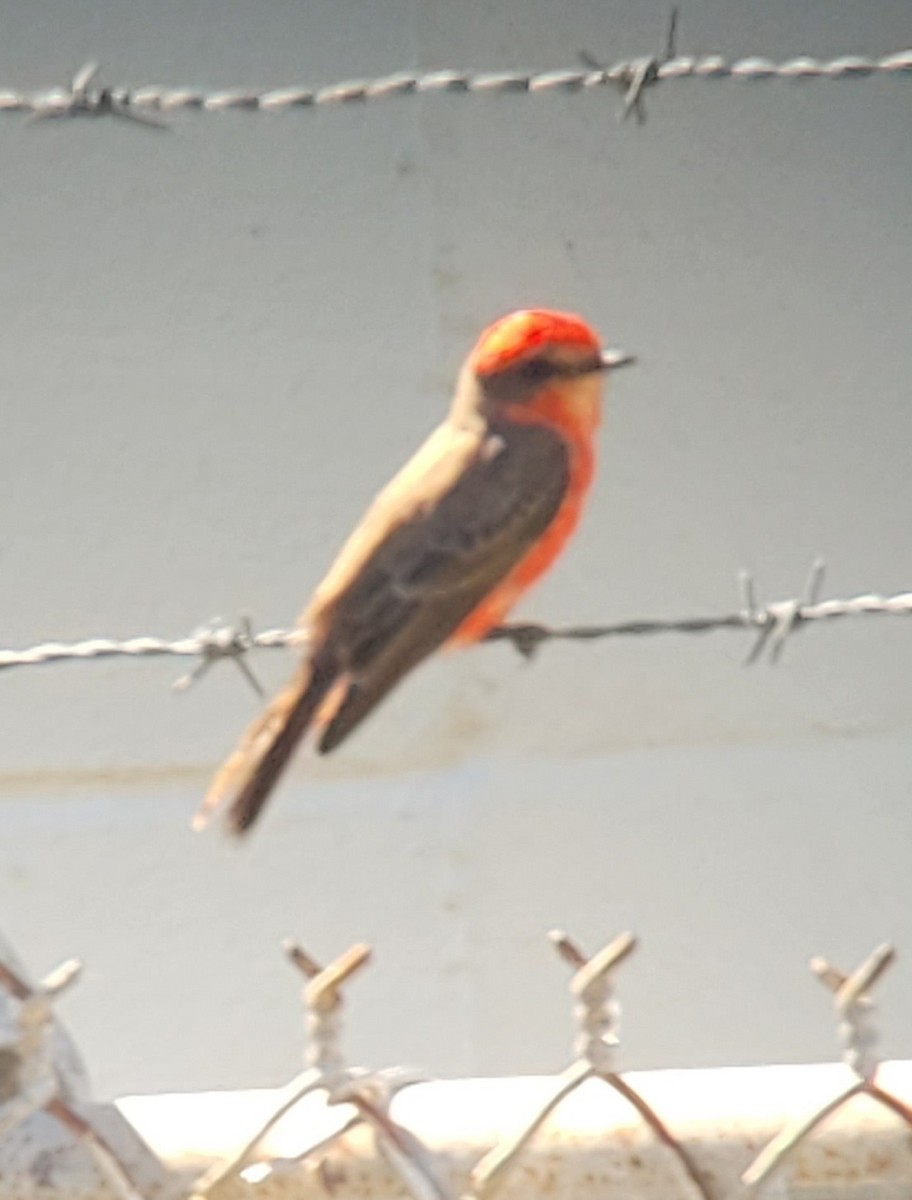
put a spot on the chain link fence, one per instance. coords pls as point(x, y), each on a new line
point(343, 1129)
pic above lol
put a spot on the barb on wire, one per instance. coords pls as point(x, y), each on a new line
point(367, 1093)
point(217, 642)
point(210, 643)
point(83, 100)
point(30, 1081)
point(632, 75)
point(771, 624)
point(782, 617)
point(597, 1015)
point(857, 1031)
point(640, 74)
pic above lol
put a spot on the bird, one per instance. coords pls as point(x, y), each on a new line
point(446, 549)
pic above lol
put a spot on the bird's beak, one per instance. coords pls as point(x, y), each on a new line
point(612, 359)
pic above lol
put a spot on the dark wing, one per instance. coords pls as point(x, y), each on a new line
point(425, 578)
point(439, 539)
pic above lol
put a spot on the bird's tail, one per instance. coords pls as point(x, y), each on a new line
point(248, 776)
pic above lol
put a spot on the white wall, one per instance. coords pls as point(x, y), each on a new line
point(217, 343)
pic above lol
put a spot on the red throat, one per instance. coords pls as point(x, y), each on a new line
point(572, 411)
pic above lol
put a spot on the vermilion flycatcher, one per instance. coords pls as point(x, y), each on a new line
point(447, 548)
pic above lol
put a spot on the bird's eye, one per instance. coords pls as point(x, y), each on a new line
point(536, 370)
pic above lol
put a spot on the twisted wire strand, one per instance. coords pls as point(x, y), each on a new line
point(82, 98)
point(218, 641)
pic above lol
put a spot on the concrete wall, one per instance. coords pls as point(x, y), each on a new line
point(217, 343)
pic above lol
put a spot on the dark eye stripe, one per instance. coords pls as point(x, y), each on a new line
point(537, 369)
point(515, 383)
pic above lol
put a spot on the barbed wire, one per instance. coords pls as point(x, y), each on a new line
point(83, 98)
point(771, 625)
